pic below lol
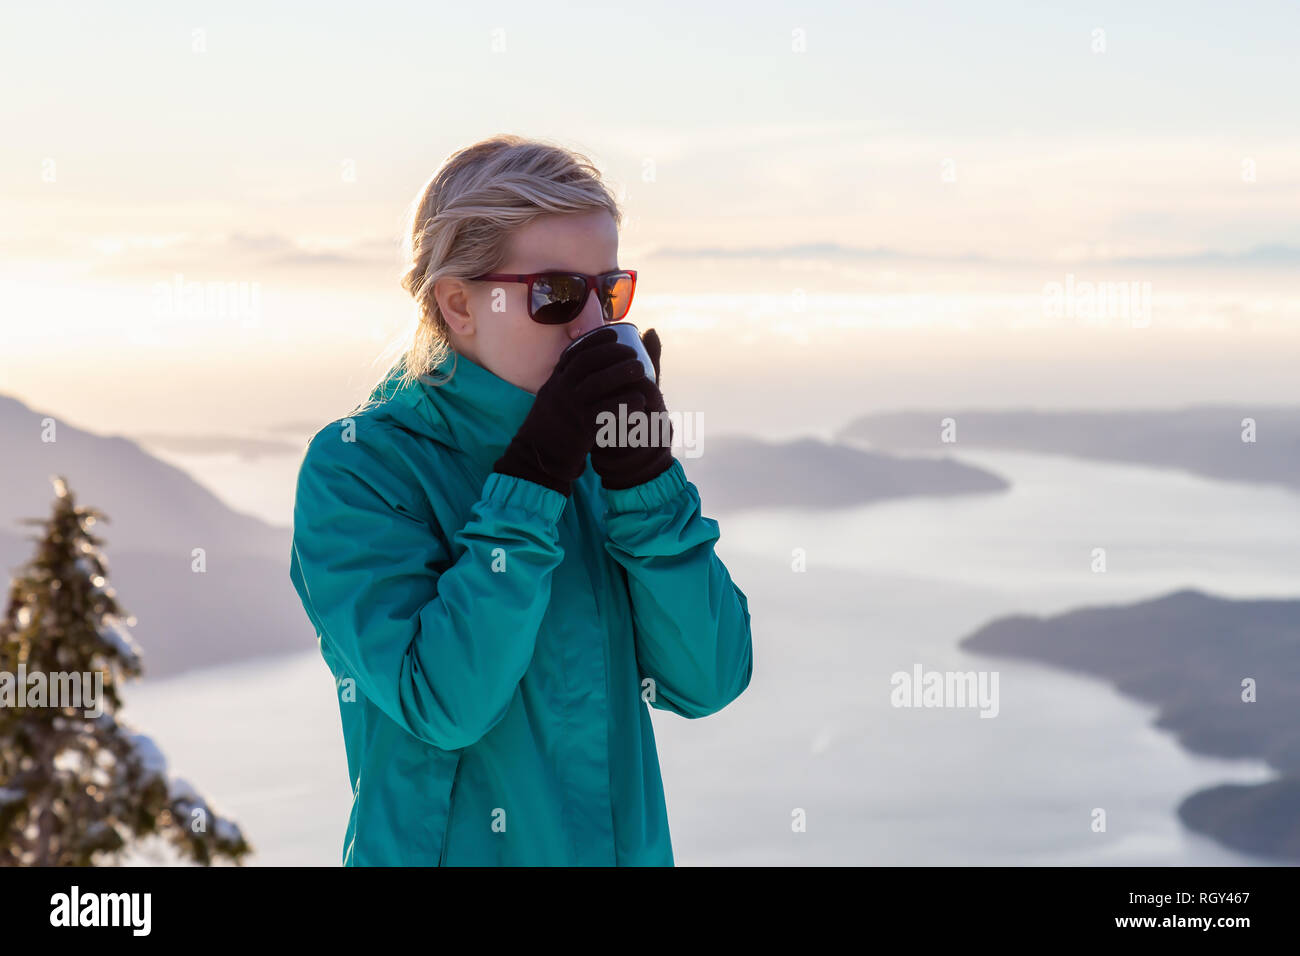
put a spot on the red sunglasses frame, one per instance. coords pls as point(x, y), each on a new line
point(531, 277)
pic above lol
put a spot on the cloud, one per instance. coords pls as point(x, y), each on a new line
point(143, 254)
point(278, 249)
point(1271, 255)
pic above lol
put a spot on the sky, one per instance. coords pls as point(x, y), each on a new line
point(805, 156)
point(834, 207)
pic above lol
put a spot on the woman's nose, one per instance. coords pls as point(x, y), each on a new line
point(591, 317)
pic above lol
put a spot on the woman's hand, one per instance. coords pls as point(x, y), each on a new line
point(626, 465)
point(551, 446)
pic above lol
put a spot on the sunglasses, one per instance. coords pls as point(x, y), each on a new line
point(555, 298)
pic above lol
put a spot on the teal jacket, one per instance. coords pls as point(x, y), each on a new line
point(496, 644)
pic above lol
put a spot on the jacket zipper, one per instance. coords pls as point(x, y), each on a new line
point(451, 805)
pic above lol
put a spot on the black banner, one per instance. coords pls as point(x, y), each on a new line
point(330, 905)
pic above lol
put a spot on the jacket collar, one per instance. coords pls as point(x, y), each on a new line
point(475, 410)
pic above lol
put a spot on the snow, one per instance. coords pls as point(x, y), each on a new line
point(148, 754)
point(84, 567)
point(69, 761)
point(226, 831)
point(180, 789)
point(117, 637)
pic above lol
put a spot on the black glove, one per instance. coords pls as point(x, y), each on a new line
point(551, 446)
point(625, 466)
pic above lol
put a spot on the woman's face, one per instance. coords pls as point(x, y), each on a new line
point(508, 343)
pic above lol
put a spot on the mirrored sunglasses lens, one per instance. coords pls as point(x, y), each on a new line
point(617, 296)
point(557, 298)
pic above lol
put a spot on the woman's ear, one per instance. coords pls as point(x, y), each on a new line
point(453, 302)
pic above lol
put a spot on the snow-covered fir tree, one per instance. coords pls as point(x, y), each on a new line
point(78, 786)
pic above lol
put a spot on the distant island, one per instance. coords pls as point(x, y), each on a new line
point(1188, 653)
point(242, 604)
point(738, 472)
point(1204, 439)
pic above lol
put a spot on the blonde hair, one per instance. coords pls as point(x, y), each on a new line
point(462, 222)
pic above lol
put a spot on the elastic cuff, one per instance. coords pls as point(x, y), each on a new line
point(509, 491)
point(651, 494)
point(522, 460)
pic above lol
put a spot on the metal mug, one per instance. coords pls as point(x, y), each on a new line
point(628, 334)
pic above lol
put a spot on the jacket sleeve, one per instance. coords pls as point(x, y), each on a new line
point(439, 645)
point(691, 622)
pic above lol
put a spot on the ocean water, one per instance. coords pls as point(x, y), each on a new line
point(1160, 530)
point(887, 588)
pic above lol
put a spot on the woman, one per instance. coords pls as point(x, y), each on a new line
point(498, 595)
